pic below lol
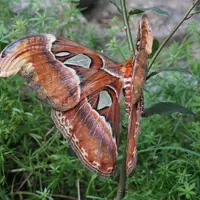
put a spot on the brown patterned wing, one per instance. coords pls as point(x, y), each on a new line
point(60, 71)
point(73, 80)
point(73, 54)
point(135, 90)
point(31, 57)
point(91, 127)
point(143, 49)
point(94, 70)
point(107, 103)
point(133, 132)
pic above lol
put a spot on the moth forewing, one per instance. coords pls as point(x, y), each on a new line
point(139, 72)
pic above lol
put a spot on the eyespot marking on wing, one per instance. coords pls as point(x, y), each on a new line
point(74, 75)
point(61, 54)
point(105, 100)
point(80, 60)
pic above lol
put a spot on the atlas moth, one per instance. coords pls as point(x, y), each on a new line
point(84, 90)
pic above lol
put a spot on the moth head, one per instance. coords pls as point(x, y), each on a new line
point(17, 55)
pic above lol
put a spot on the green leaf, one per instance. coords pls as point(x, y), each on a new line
point(164, 108)
point(155, 47)
point(136, 11)
point(141, 10)
point(170, 69)
point(118, 8)
point(93, 197)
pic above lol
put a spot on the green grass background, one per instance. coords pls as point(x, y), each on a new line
point(35, 162)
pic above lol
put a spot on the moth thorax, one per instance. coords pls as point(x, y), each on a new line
point(127, 85)
point(127, 94)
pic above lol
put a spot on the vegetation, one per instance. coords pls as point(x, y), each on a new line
point(35, 162)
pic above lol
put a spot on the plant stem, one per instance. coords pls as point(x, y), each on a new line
point(195, 13)
point(78, 189)
point(127, 28)
point(172, 33)
point(122, 179)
